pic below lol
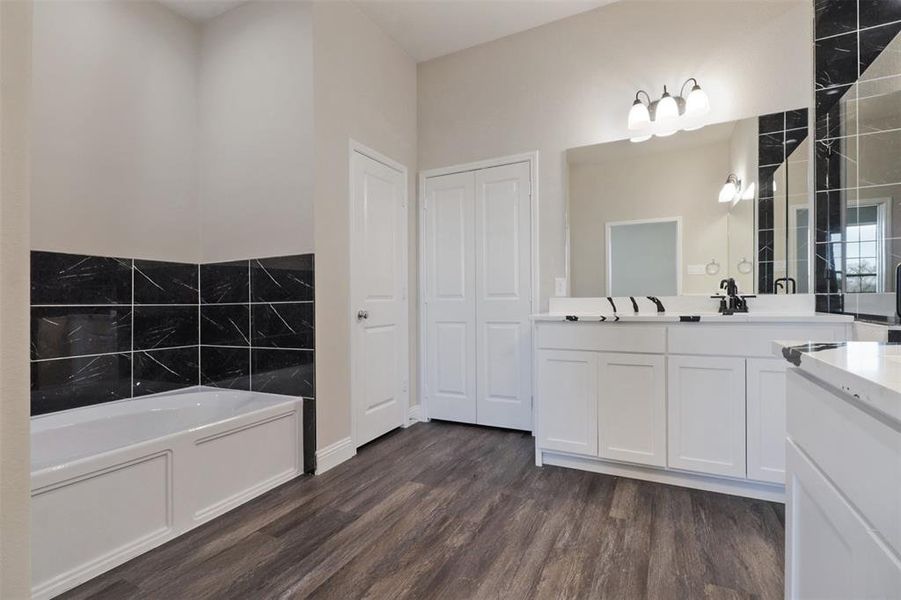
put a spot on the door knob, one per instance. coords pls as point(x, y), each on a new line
point(362, 314)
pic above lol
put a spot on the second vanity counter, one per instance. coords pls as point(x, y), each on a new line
point(699, 403)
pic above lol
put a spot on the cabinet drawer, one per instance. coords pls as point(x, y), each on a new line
point(847, 444)
point(744, 340)
point(603, 337)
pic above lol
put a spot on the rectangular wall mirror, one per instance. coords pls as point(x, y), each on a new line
point(647, 218)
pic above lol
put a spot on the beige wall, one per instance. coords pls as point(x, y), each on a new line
point(15, 468)
point(365, 89)
point(664, 184)
point(114, 130)
point(256, 132)
point(571, 83)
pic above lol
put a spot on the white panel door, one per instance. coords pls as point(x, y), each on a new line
point(568, 386)
point(632, 408)
point(766, 419)
point(706, 414)
point(378, 271)
point(450, 311)
point(503, 296)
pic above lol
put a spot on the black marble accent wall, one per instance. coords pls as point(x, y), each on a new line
point(857, 151)
point(106, 329)
point(779, 134)
point(257, 328)
point(110, 328)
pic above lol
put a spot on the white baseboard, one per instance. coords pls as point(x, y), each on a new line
point(415, 414)
point(334, 454)
point(734, 487)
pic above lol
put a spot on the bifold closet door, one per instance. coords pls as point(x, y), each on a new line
point(477, 274)
point(503, 296)
point(450, 313)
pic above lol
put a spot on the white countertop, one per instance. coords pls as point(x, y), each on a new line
point(709, 317)
point(868, 371)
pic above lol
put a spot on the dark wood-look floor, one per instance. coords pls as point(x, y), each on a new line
point(451, 511)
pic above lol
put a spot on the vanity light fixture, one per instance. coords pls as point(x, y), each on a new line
point(731, 189)
point(669, 114)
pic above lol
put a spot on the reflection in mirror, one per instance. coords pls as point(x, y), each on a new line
point(643, 257)
point(644, 219)
point(859, 152)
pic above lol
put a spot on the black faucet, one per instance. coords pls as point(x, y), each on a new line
point(778, 285)
point(732, 302)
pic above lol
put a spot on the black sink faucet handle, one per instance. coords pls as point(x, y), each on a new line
point(658, 303)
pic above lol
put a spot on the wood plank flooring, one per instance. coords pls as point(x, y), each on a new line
point(442, 510)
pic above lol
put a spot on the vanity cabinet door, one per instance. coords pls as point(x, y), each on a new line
point(706, 414)
point(568, 401)
point(632, 408)
point(766, 419)
point(831, 551)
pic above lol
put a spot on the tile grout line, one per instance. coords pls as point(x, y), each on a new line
point(131, 389)
point(249, 327)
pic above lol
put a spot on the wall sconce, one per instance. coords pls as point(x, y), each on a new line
point(731, 189)
point(662, 117)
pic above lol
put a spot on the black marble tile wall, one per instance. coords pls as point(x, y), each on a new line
point(779, 134)
point(110, 328)
point(857, 71)
point(257, 324)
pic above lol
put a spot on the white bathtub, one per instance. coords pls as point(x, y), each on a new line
point(111, 481)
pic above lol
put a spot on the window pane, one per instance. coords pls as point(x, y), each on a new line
point(867, 249)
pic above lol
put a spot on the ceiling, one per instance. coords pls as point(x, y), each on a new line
point(427, 29)
point(199, 11)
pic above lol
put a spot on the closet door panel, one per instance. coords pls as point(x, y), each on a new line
point(449, 256)
point(503, 296)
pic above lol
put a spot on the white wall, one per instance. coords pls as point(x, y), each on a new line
point(114, 130)
point(571, 83)
point(256, 132)
point(15, 466)
point(365, 89)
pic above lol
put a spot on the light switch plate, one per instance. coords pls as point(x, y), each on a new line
point(697, 269)
point(560, 287)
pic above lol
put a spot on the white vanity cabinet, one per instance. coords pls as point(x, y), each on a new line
point(707, 414)
point(843, 517)
point(695, 404)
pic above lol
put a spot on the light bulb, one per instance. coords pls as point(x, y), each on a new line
point(641, 138)
point(730, 190)
point(639, 117)
point(697, 103)
point(667, 108)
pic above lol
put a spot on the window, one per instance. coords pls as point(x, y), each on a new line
point(864, 249)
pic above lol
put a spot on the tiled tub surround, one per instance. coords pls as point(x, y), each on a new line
point(858, 81)
point(257, 328)
point(111, 328)
point(105, 329)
